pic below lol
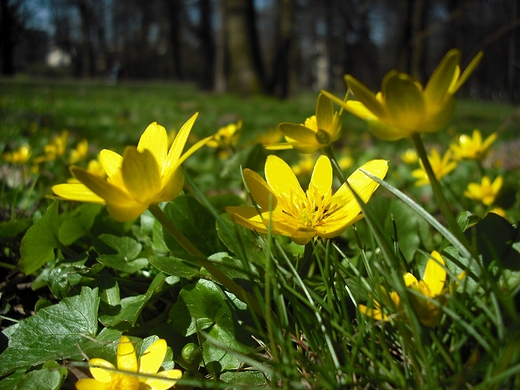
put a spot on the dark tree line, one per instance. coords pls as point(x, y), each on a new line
point(278, 46)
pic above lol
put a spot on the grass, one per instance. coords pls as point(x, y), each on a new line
point(307, 331)
point(112, 115)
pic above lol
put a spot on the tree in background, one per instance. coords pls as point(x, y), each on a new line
point(244, 68)
point(11, 26)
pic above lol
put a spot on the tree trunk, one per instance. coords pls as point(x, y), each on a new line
point(10, 29)
point(245, 75)
point(283, 77)
point(205, 33)
point(174, 9)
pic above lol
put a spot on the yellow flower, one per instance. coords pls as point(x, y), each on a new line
point(486, 192)
point(304, 215)
point(126, 378)
point(440, 166)
point(146, 175)
point(226, 137)
point(431, 286)
point(19, 156)
point(55, 148)
point(409, 156)
point(79, 153)
point(403, 106)
point(318, 131)
point(472, 148)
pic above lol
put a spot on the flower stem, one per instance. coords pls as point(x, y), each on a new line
point(204, 262)
point(437, 190)
point(337, 169)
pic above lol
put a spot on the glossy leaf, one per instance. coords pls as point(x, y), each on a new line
point(40, 241)
point(55, 332)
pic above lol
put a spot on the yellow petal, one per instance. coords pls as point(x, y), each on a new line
point(387, 132)
point(124, 212)
point(188, 153)
point(152, 358)
point(90, 384)
point(409, 279)
point(362, 184)
point(248, 217)
point(367, 97)
point(141, 175)
point(489, 140)
point(373, 313)
point(111, 162)
point(467, 72)
point(322, 175)
point(260, 191)
point(172, 186)
point(158, 384)
point(435, 274)
point(324, 113)
point(126, 357)
point(442, 77)
point(100, 374)
point(359, 109)
point(497, 184)
point(155, 140)
point(280, 146)
point(298, 133)
point(281, 178)
point(76, 192)
point(438, 115)
point(180, 140)
point(404, 100)
point(101, 187)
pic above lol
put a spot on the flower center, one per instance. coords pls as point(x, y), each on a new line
point(323, 137)
point(310, 211)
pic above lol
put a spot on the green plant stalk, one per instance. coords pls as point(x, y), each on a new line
point(439, 195)
point(204, 262)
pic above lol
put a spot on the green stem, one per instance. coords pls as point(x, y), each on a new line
point(203, 261)
point(437, 190)
point(337, 169)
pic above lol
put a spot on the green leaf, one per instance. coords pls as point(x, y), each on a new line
point(55, 332)
point(129, 309)
point(203, 306)
point(244, 378)
point(195, 222)
point(127, 250)
point(174, 266)
point(78, 223)
point(10, 381)
point(40, 241)
point(497, 240)
point(44, 379)
point(65, 276)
